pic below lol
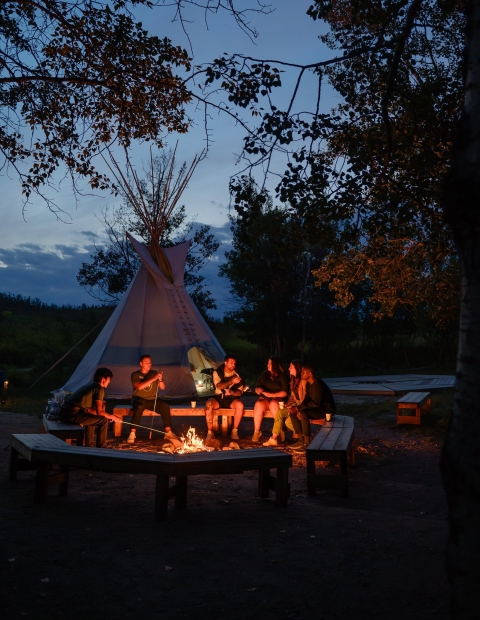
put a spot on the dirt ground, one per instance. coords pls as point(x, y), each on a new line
point(99, 554)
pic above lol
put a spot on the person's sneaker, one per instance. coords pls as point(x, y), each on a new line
point(271, 442)
point(210, 435)
point(170, 435)
point(234, 434)
point(296, 445)
point(256, 435)
point(300, 450)
point(131, 437)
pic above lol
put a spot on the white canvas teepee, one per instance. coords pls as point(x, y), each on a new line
point(155, 316)
point(158, 318)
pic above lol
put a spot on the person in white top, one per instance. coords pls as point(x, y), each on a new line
point(228, 388)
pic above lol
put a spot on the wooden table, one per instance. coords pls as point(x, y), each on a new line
point(334, 442)
point(42, 452)
point(415, 401)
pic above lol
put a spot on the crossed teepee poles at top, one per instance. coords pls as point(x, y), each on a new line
point(166, 193)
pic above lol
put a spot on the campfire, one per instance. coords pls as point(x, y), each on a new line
point(191, 442)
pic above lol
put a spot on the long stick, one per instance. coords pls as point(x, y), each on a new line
point(154, 405)
point(148, 429)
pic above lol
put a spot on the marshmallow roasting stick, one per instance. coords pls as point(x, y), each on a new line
point(171, 439)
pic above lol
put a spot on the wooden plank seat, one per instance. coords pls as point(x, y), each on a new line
point(415, 401)
point(67, 432)
point(42, 452)
point(225, 423)
point(334, 442)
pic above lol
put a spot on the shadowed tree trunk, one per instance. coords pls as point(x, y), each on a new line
point(461, 454)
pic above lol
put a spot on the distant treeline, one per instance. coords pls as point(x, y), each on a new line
point(34, 335)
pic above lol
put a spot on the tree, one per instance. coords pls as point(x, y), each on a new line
point(374, 166)
point(406, 111)
point(461, 456)
point(115, 263)
point(269, 269)
point(78, 76)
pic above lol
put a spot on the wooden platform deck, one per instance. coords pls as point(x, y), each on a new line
point(389, 385)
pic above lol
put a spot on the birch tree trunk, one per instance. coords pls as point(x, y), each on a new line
point(461, 454)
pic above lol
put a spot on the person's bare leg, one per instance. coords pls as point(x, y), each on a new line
point(238, 406)
point(273, 407)
point(210, 406)
point(258, 413)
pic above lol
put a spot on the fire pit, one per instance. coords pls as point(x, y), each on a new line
point(223, 462)
point(43, 451)
point(192, 443)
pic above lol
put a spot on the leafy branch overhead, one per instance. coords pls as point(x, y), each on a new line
point(374, 166)
point(76, 77)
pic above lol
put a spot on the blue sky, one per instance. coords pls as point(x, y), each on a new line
point(40, 255)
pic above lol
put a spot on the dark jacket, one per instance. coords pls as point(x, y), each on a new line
point(318, 396)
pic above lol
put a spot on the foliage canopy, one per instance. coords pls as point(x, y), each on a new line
point(375, 165)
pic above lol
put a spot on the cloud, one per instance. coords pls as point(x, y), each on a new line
point(49, 273)
point(44, 272)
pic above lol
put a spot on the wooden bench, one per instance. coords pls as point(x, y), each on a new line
point(42, 452)
point(67, 432)
point(225, 423)
point(334, 442)
point(416, 401)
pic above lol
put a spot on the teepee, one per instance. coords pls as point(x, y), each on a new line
point(155, 316)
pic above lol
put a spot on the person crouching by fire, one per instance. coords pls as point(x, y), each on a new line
point(228, 389)
point(85, 407)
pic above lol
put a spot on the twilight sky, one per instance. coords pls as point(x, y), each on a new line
point(40, 255)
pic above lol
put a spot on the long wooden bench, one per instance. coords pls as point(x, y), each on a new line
point(67, 432)
point(416, 401)
point(225, 422)
point(42, 452)
point(334, 442)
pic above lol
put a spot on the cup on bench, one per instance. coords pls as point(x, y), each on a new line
point(328, 417)
point(193, 403)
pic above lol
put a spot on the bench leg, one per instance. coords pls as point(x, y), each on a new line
point(225, 424)
point(63, 486)
point(117, 428)
point(311, 489)
point(181, 493)
point(344, 472)
point(161, 497)
point(41, 483)
point(351, 456)
point(13, 464)
point(281, 493)
point(263, 482)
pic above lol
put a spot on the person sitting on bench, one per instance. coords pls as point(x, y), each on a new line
point(85, 407)
point(317, 403)
point(228, 387)
point(272, 388)
point(145, 396)
point(297, 394)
